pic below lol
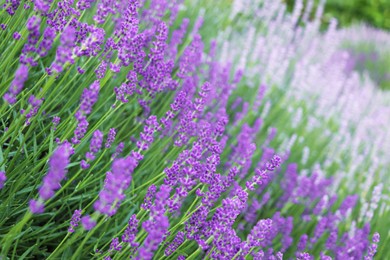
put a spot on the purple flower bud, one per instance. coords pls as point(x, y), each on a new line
point(56, 120)
point(64, 51)
point(131, 231)
point(302, 242)
point(96, 141)
point(177, 241)
point(89, 97)
point(42, 5)
point(47, 41)
point(80, 70)
point(179, 101)
point(149, 197)
point(348, 203)
point(74, 222)
point(3, 178)
point(57, 171)
point(259, 232)
point(110, 137)
point(21, 76)
point(376, 238)
point(304, 256)
point(118, 150)
point(274, 163)
point(35, 103)
point(101, 70)
point(17, 35)
point(115, 185)
point(87, 222)
point(36, 207)
point(84, 165)
point(84, 4)
point(115, 245)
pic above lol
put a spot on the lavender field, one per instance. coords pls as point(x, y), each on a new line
point(192, 129)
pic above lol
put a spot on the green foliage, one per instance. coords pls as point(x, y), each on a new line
point(347, 12)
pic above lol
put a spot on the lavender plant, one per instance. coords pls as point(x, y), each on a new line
point(136, 129)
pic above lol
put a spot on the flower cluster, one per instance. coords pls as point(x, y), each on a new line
point(94, 147)
point(57, 172)
point(198, 148)
point(88, 99)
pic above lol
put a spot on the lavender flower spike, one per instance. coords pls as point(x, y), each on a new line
point(57, 171)
point(3, 178)
point(110, 137)
point(88, 223)
point(115, 185)
point(74, 222)
point(16, 87)
point(95, 145)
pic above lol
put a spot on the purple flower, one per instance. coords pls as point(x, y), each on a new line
point(110, 137)
point(157, 225)
point(149, 197)
point(87, 222)
point(376, 238)
point(36, 207)
point(372, 248)
point(348, 203)
point(57, 171)
point(304, 256)
point(74, 222)
point(95, 145)
point(116, 183)
point(35, 103)
point(274, 163)
point(115, 245)
point(101, 70)
point(3, 178)
point(29, 48)
point(56, 120)
point(48, 37)
point(131, 231)
point(147, 136)
point(261, 177)
point(118, 150)
point(17, 35)
point(191, 57)
point(177, 241)
point(177, 38)
point(84, 165)
point(12, 6)
point(302, 242)
point(260, 96)
point(80, 70)
point(64, 51)
point(84, 4)
point(42, 5)
point(16, 86)
point(91, 45)
point(259, 232)
point(104, 8)
point(88, 99)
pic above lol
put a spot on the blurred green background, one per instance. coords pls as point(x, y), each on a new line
point(367, 54)
point(373, 12)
